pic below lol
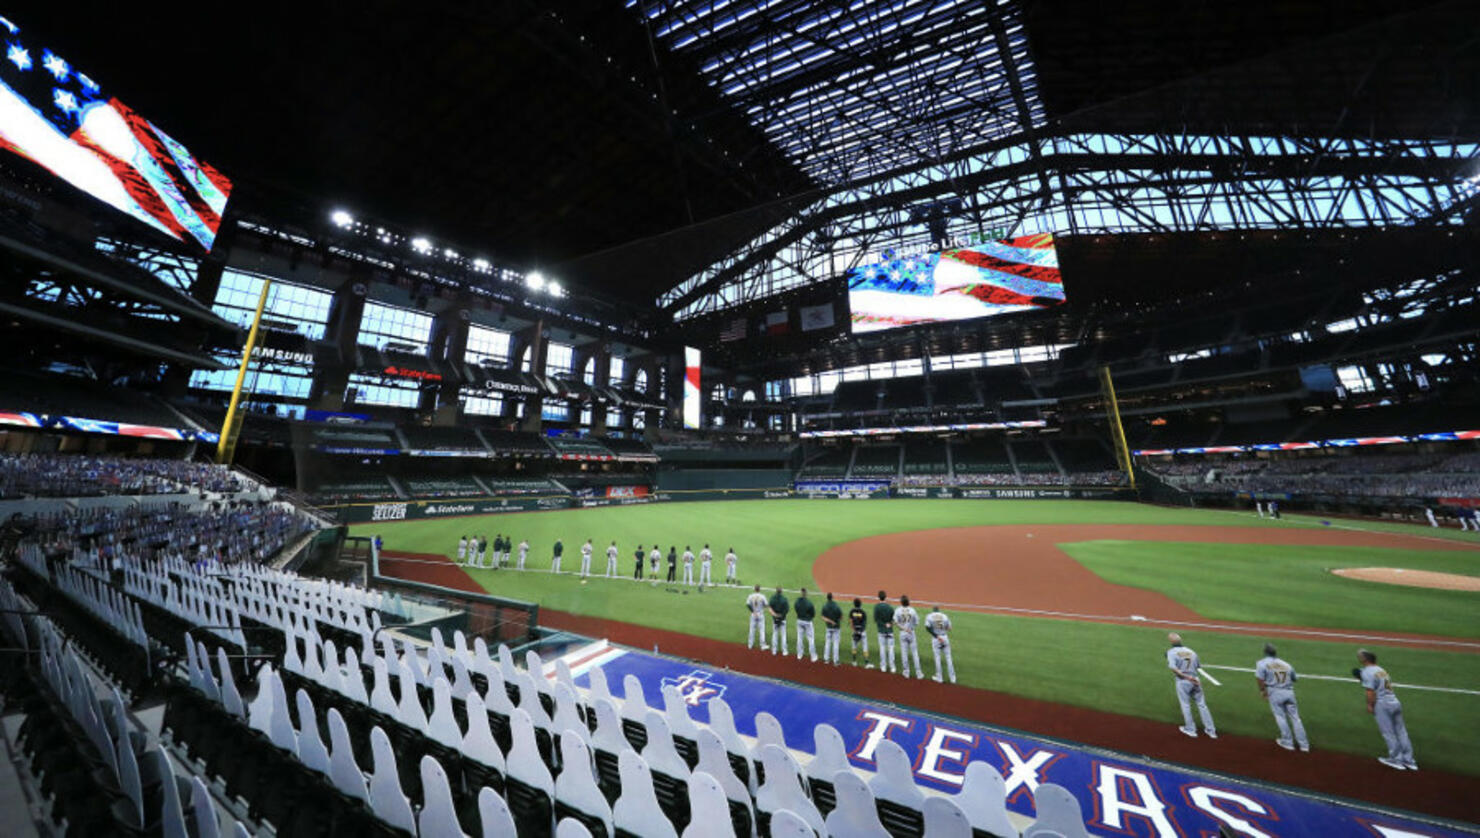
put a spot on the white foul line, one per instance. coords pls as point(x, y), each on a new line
point(1349, 679)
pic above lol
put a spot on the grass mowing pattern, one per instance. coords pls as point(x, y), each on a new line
point(1284, 585)
point(1118, 669)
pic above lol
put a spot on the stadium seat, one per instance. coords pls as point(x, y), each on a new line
point(172, 817)
point(1059, 815)
point(344, 772)
point(544, 737)
point(567, 719)
point(442, 724)
point(983, 798)
point(829, 756)
point(944, 819)
point(899, 799)
point(438, 818)
point(311, 750)
point(381, 699)
point(292, 661)
point(637, 812)
point(409, 711)
point(462, 681)
point(709, 807)
point(669, 771)
point(722, 722)
point(634, 711)
point(599, 689)
point(506, 663)
point(280, 726)
point(788, 824)
point(331, 676)
point(607, 743)
point(681, 724)
point(494, 816)
point(386, 798)
point(577, 796)
point(715, 762)
point(484, 763)
point(353, 682)
point(528, 785)
point(855, 813)
point(782, 789)
point(767, 732)
point(129, 782)
point(563, 676)
point(202, 811)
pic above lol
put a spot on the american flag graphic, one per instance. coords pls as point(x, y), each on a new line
point(59, 118)
point(998, 277)
point(733, 330)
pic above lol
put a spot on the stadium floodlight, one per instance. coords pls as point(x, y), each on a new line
point(535, 280)
point(421, 244)
point(341, 218)
point(555, 289)
point(481, 265)
point(450, 253)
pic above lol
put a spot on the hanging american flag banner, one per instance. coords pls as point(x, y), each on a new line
point(998, 277)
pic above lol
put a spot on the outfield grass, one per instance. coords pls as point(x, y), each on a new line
point(1113, 668)
point(1256, 583)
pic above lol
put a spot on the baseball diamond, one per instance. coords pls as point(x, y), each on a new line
point(1036, 619)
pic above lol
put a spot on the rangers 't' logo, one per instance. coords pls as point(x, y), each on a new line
point(695, 687)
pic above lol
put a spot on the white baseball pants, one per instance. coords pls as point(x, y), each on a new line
point(611, 568)
point(1287, 715)
point(704, 574)
point(688, 574)
point(757, 623)
point(942, 646)
point(804, 629)
point(832, 639)
point(1188, 694)
point(585, 565)
point(909, 650)
point(778, 636)
point(886, 652)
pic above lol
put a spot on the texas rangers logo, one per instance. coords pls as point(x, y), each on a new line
point(695, 687)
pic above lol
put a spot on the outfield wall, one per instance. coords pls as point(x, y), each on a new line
point(415, 510)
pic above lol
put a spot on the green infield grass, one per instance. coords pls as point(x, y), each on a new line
point(1115, 668)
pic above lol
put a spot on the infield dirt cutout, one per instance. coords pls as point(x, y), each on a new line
point(1411, 578)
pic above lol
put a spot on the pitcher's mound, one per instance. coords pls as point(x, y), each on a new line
point(1412, 578)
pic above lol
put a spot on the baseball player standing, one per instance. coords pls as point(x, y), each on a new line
point(756, 604)
point(500, 549)
point(705, 557)
point(611, 561)
point(1184, 664)
point(637, 570)
point(555, 562)
point(1429, 512)
point(586, 559)
point(905, 620)
point(805, 612)
point(1384, 706)
point(858, 624)
point(672, 563)
point(730, 560)
point(778, 607)
point(462, 550)
point(1277, 684)
point(688, 565)
point(832, 621)
point(939, 626)
point(884, 622)
point(523, 552)
point(653, 558)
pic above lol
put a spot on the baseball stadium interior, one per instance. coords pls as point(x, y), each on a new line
point(833, 280)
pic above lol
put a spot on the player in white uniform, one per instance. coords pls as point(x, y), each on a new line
point(688, 565)
point(1277, 684)
point(653, 558)
point(1384, 706)
point(586, 559)
point(758, 607)
point(730, 560)
point(523, 551)
point(1433, 522)
point(939, 626)
point(462, 550)
point(611, 561)
point(705, 557)
point(905, 622)
point(1184, 664)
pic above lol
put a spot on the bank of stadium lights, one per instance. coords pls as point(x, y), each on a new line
point(342, 219)
point(421, 244)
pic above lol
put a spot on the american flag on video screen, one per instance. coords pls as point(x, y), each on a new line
point(733, 330)
point(59, 118)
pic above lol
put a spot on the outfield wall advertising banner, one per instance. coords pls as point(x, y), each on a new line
point(1117, 794)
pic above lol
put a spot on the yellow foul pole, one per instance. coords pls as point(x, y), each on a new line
point(226, 447)
point(1117, 430)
